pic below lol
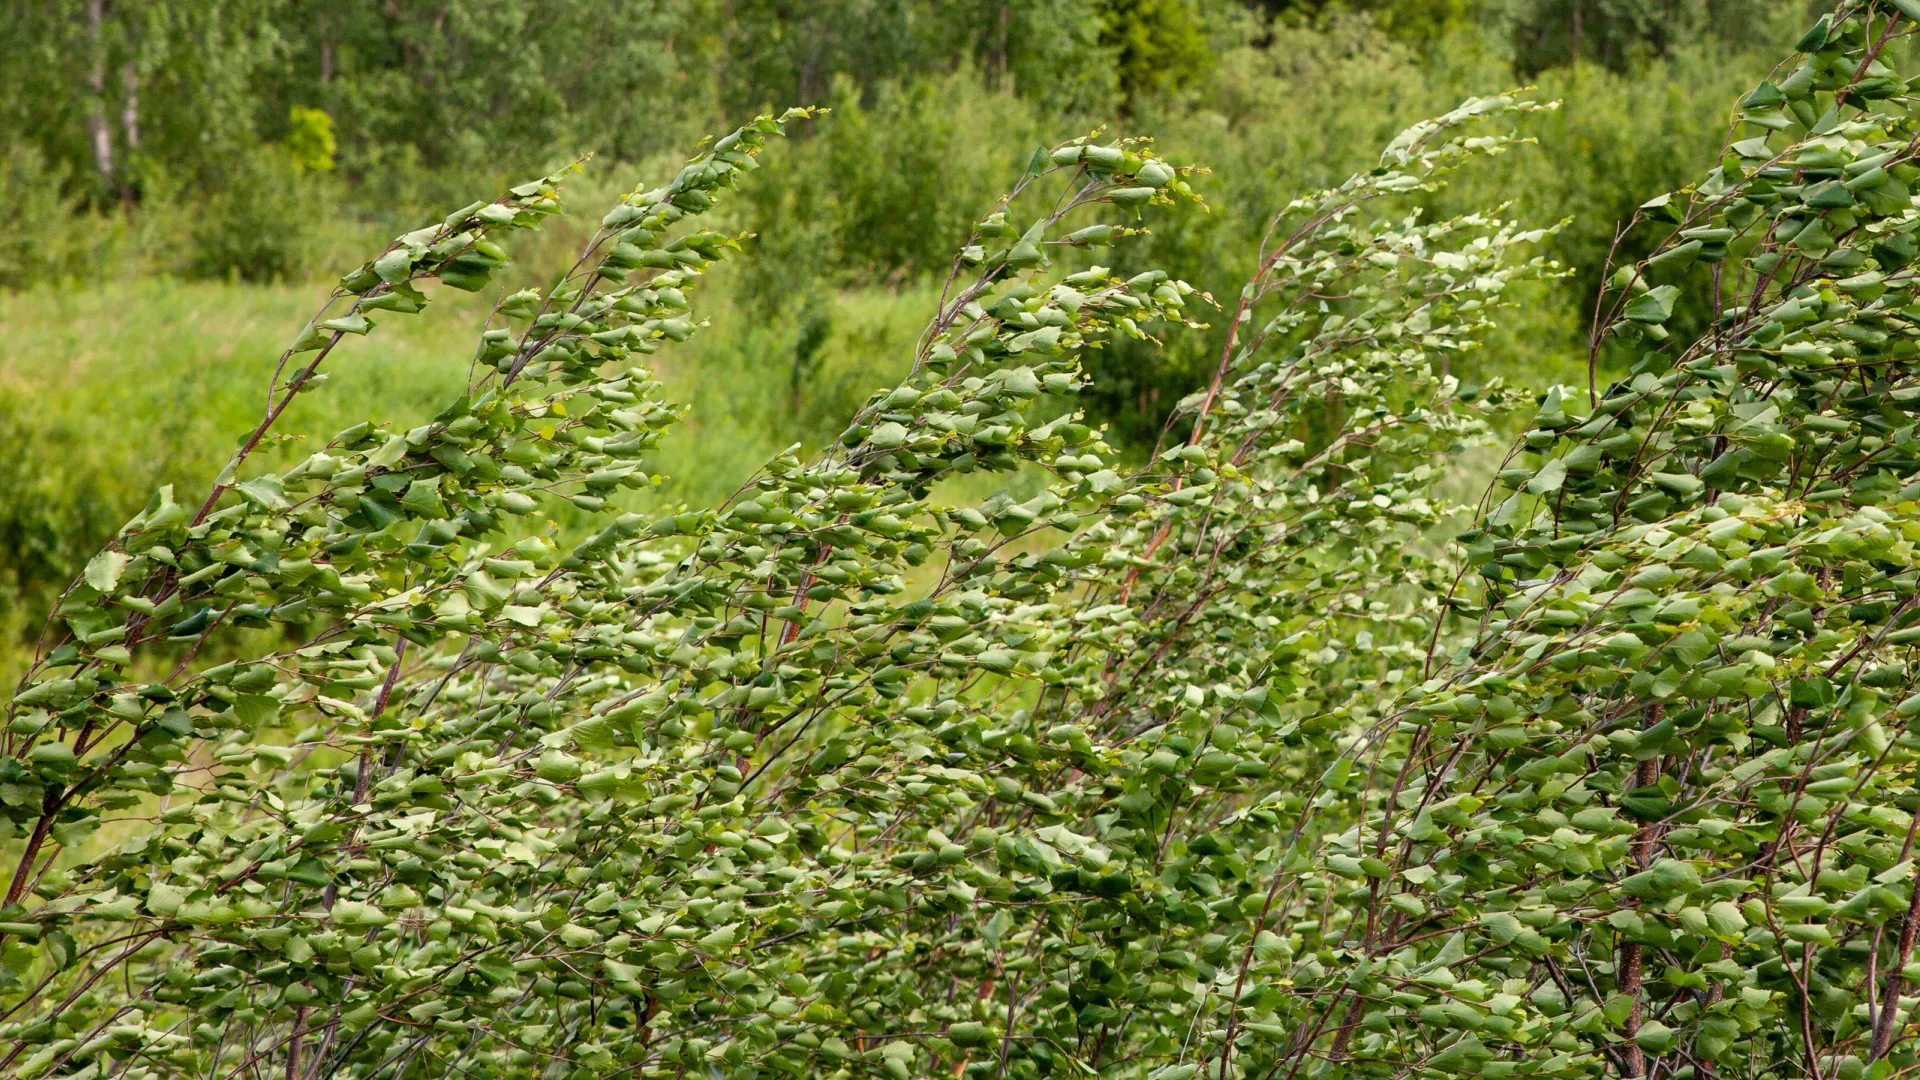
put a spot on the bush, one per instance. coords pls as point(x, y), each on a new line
point(1203, 767)
point(869, 197)
point(564, 417)
point(261, 225)
point(45, 234)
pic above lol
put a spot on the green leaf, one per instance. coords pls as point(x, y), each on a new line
point(1655, 1037)
point(1550, 477)
point(395, 265)
point(356, 915)
point(164, 899)
point(103, 570)
point(557, 767)
point(423, 498)
point(969, 1034)
point(257, 710)
point(1653, 308)
point(1665, 878)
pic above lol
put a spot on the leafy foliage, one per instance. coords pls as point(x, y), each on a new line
point(1659, 810)
point(701, 787)
point(1217, 766)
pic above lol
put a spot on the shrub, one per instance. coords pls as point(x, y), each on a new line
point(736, 691)
point(260, 224)
point(1657, 806)
point(1202, 768)
point(310, 142)
point(41, 220)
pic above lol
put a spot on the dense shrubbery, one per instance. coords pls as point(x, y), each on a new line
point(426, 99)
point(715, 787)
point(1210, 766)
point(1211, 763)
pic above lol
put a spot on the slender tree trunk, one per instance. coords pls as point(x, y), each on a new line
point(810, 64)
point(129, 122)
point(1002, 80)
point(294, 1042)
point(130, 108)
point(1890, 1006)
point(1633, 1059)
point(98, 133)
point(323, 29)
point(1573, 51)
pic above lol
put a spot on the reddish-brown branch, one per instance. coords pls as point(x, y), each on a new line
point(23, 873)
point(1633, 1060)
point(1890, 1010)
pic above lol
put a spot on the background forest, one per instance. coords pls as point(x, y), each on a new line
point(179, 177)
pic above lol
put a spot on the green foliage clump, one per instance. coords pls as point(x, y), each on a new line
point(310, 139)
point(1158, 45)
point(260, 225)
point(41, 219)
point(1658, 806)
point(700, 788)
point(1212, 765)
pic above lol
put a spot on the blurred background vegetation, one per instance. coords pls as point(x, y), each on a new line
point(181, 181)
